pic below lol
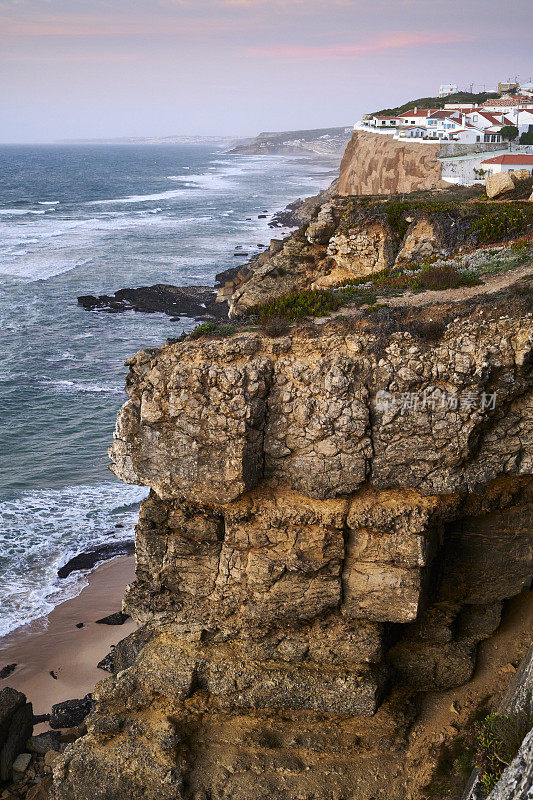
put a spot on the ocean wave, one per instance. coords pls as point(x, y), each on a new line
point(19, 212)
point(42, 530)
point(48, 202)
point(84, 388)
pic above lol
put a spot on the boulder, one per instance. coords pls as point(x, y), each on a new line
point(106, 663)
point(129, 648)
point(43, 742)
point(20, 765)
point(118, 618)
point(16, 726)
point(70, 713)
point(520, 175)
point(6, 671)
point(41, 790)
point(498, 184)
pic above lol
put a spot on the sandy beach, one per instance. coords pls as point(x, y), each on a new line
point(57, 645)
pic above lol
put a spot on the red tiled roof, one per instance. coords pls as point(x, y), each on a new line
point(512, 100)
point(518, 158)
point(421, 112)
point(450, 114)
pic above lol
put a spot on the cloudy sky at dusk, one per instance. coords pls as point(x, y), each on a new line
point(104, 68)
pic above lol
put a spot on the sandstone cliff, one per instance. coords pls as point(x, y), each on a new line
point(336, 516)
point(349, 238)
point(374, 164)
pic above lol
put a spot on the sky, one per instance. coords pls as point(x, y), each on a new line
point(111, 68)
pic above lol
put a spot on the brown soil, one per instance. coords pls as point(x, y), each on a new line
point(446, 721)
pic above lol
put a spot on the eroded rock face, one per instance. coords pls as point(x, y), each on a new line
point(374, 164)
point(364, 249)
point(427, 238)
point(293, 267)
point(333, 524)
point(351, 238)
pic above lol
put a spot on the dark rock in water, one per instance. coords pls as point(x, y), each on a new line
point(129, 648)
point(71, 712)
point(288, 217)
point(195, 302)
point(89, 559)
point(6, 671)
point(39, 718)
point(262, 216)
point(240, 254)
point(118, 618)
point(44, 742)
point(227, 275)
point(80, 624)
point(16, 726)
point(106, 663)
point(119, 525)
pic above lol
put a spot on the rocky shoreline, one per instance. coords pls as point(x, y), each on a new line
point(204, 303)
point(47, 674)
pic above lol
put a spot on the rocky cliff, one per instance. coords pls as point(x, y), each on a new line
point(347, 239)
point(336, 517)
point(374, 164)
point(323, 142)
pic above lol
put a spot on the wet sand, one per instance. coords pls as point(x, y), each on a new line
point(57, 645)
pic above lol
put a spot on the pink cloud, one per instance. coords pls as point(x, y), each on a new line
point(390, 41)
point(105, 26)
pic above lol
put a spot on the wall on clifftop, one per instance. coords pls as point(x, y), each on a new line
point(380, 165)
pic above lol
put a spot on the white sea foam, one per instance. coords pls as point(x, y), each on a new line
point(83, 387)
point(42, 530)
point(48, 202)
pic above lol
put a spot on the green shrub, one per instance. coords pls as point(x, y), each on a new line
point(213, 329)
point(496, 224)
point(444, 277)
point(297, 305)
point(498, 739)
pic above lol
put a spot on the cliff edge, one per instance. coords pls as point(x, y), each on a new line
point(336, 517)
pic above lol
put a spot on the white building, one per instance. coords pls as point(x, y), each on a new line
point(448, 88)
point(508, 103)
point(508, 163)
point(380, 121)
point(415, 116)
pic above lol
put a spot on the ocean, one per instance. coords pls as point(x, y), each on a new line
point(92, 219)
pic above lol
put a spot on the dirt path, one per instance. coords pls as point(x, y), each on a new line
point(490, 285)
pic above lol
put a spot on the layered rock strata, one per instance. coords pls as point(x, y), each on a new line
point(335, 519)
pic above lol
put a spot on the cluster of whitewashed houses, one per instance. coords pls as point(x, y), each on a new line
point(463, 123)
